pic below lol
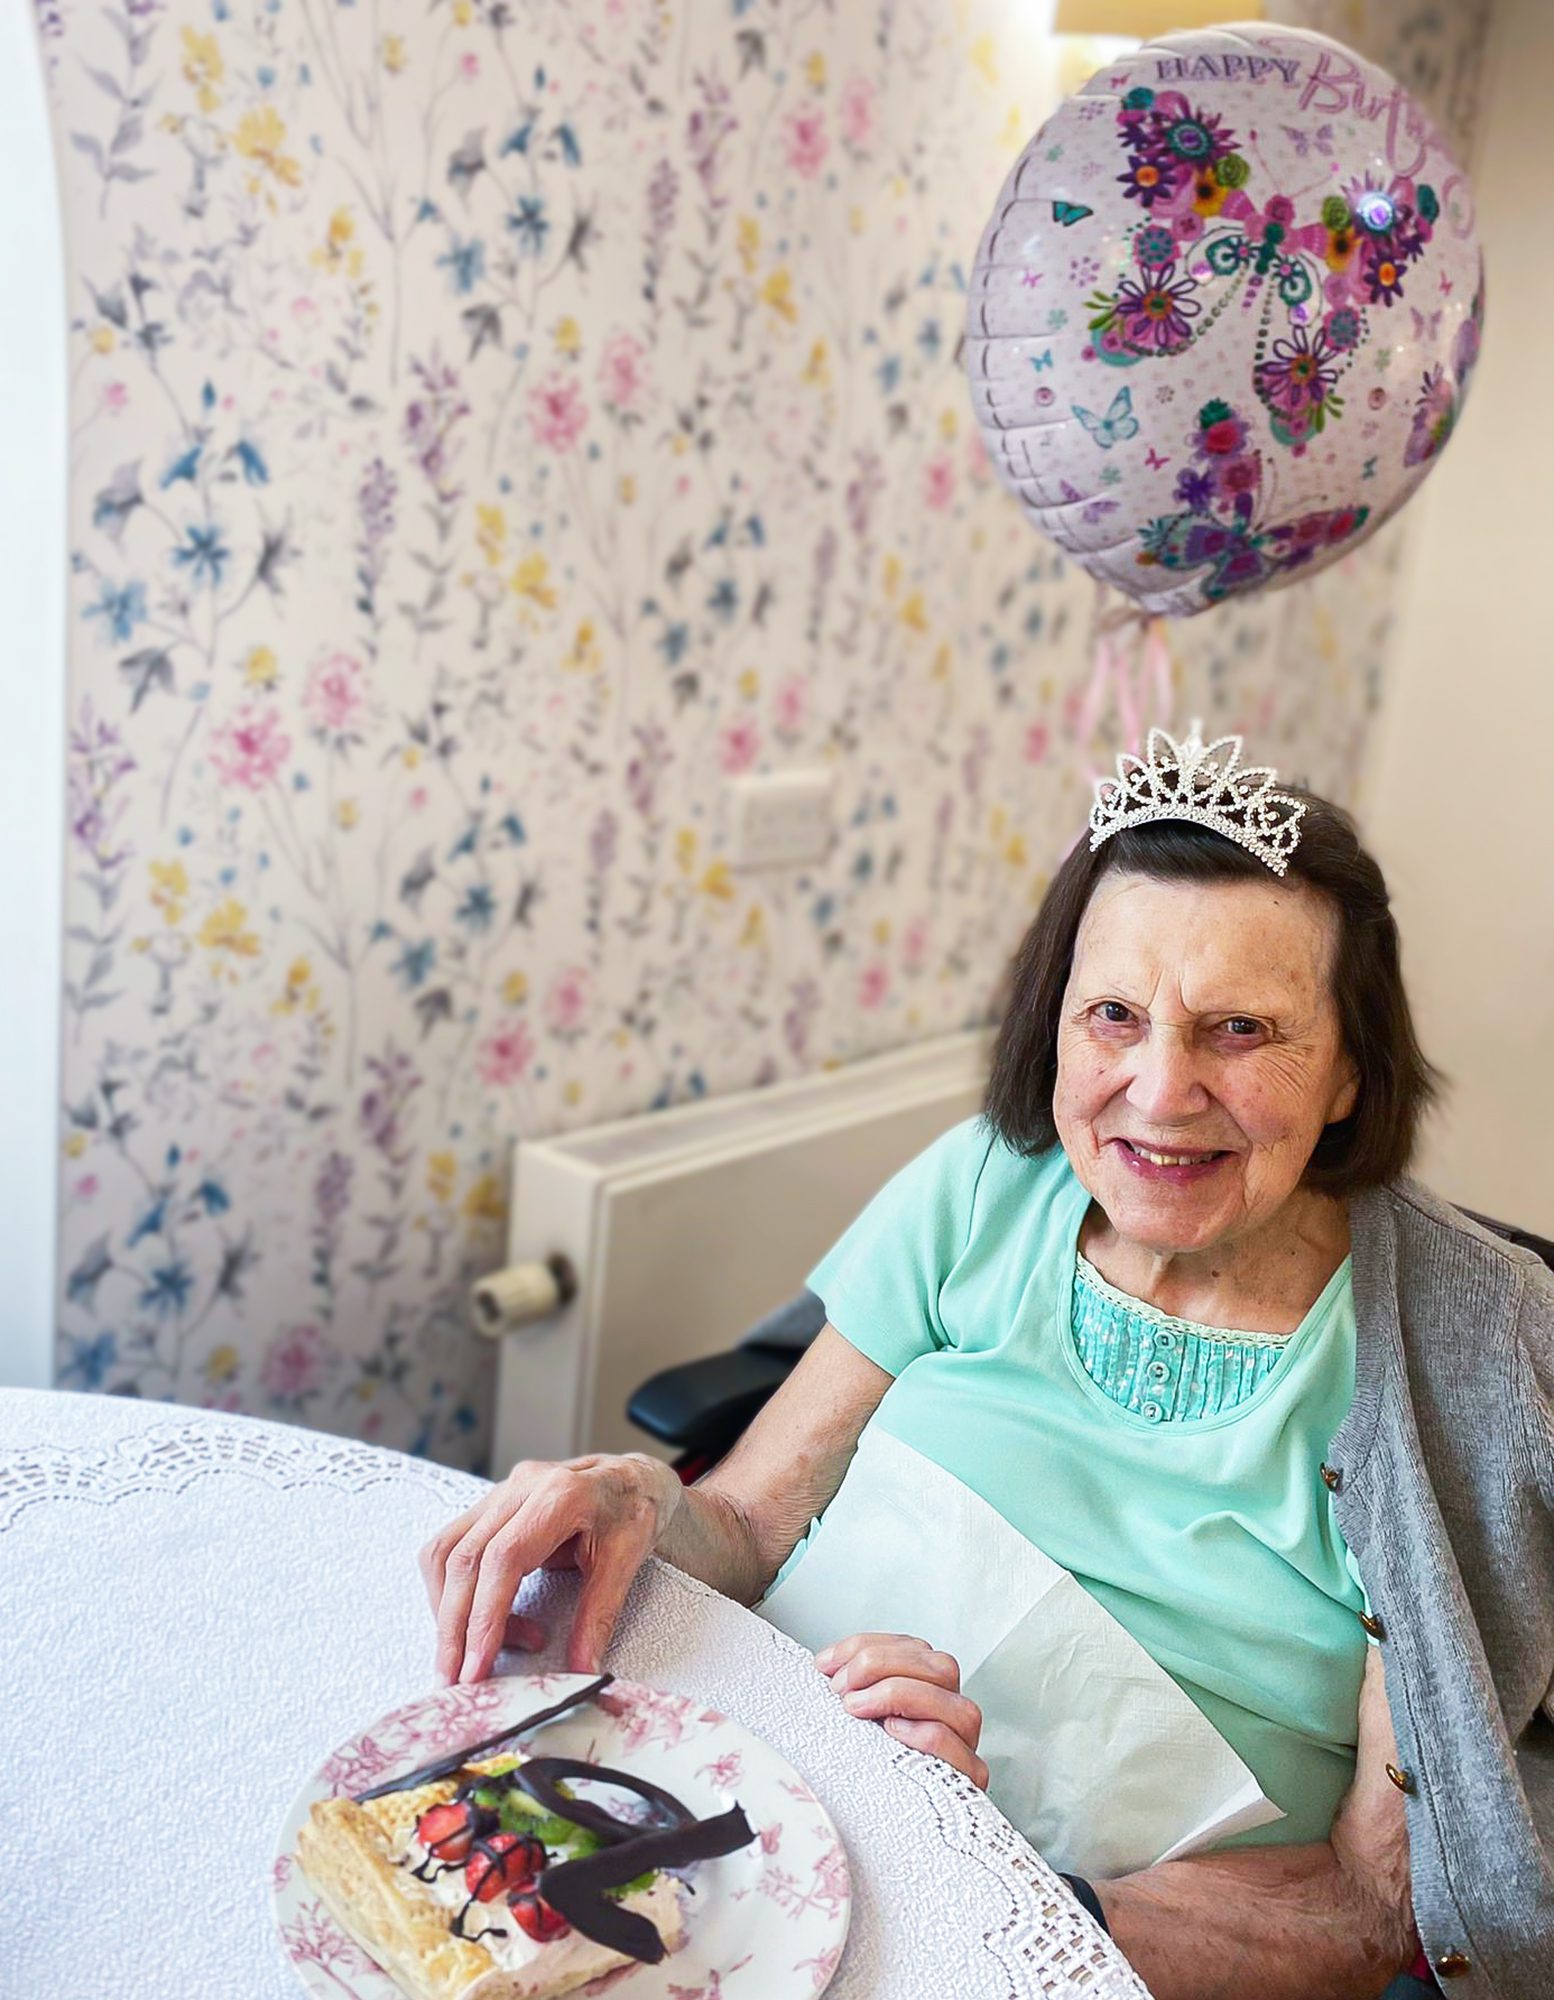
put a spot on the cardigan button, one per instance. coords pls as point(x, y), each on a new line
point(1453, 1964)
point(1332, 1478)
point(1404, 1780)
point(1373, 1625)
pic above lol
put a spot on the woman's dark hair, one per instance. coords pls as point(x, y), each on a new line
point(1375, 1142)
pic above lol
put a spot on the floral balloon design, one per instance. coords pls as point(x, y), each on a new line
point(1223, 317)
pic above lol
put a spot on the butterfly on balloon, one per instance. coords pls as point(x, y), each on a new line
point(1118, 425)
point(1220, 526)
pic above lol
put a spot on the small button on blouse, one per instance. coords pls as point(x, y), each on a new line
point(1453, 1964)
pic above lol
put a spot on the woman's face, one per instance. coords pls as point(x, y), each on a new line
point(1199, 1054)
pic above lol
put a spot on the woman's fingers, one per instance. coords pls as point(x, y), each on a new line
point(872, 1656)
point(433, 1558)
point(536, 1529)
point(918, 1701)
point(939, 1741)
point(600, 1515)
point(480, 1579)
point(606, 1580)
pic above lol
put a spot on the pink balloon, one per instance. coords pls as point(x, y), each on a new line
point(1223, 316)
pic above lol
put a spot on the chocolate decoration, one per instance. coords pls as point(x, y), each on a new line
point(538, 1777)
point(576, 1888)
point(457, 1926)
point(445, 1767)
point(431, 1868)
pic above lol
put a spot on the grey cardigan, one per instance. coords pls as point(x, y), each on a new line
point(1443, 1483)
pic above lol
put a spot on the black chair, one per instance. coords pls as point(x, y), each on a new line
point(701, 1407)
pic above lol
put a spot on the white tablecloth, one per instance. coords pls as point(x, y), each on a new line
point(198, 1608)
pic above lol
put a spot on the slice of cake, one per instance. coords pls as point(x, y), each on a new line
point(440, 1885)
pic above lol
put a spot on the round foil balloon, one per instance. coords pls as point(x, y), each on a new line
point(1223, 317)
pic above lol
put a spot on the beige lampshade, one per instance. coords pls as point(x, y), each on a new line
point(1144, 19)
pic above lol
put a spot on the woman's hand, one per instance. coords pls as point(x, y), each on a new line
point(599, 1515)
point(605, 1516)
point(913, 1691)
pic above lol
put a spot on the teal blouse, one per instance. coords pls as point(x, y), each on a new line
point(1163, 1369)
point(1174, 1471)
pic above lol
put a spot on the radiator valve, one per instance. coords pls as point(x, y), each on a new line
point(520, 1295)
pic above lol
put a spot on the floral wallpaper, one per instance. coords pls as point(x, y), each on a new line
point(495, 425)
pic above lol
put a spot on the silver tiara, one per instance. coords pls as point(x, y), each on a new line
point(1204, 783)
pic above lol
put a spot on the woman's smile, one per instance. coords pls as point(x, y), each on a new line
point(1175, 1168)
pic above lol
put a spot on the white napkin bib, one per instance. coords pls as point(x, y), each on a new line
point(1093, 1751)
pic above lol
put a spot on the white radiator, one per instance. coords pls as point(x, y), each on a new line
point(684, 1226)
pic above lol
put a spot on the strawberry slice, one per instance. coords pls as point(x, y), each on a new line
point(500, 1862)
point(447, 1830)
point(535, 1916)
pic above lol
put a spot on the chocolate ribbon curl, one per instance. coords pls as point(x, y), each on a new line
point(577, 1888)
point(540, 1777)
point(445, 1767)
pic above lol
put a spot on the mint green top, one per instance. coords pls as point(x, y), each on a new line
point(1164, 1369)
point(1189, 1504)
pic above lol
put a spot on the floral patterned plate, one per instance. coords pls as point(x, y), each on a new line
point(770, 1920)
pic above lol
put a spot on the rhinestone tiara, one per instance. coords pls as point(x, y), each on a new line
point(1204, 783)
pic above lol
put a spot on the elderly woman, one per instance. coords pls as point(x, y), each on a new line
point(1158, 1384)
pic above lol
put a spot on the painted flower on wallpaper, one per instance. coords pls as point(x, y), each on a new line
point(394, 1080)
point(558, 415)
point(87, 1363)
point(623, 375)
point(249, 750)
point(505, 1056)
point(568, 1001)
point(855, 112)
point(203, 68)
point(334, 697)
point(873, 986)
point(739, 745)
point(790, 706)
point(226, 937)
point(432, 419)
point(807, 144)
point(296, 1365)
point(261, 138)
point(646, 767)
point(939, 482)
point(121, 607)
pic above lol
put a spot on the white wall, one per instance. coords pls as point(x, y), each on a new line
point(1457, 799)
point(32, 675)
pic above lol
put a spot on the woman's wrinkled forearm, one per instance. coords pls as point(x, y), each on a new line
point(709, 1536)
point(1283, 1923)
point(737, 1526)
point(1332, 1920)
